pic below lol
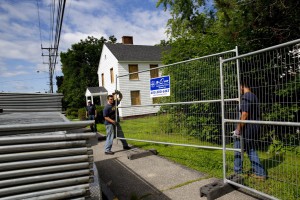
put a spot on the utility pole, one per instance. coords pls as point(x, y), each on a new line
point(51, 66)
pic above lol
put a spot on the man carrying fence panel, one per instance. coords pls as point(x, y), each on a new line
point(249, 110)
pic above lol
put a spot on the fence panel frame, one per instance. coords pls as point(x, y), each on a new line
point(235, 50)
point(224, 120)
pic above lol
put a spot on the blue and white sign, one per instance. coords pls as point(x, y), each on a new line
point(160, 86)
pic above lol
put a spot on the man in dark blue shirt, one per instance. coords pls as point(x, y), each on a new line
point(249, 111)
point(91, 114)
point(112, 123)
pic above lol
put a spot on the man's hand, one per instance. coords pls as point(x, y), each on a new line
point(236, 133)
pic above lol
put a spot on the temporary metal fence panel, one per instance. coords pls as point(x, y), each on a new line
point(189, 116)
point(30, 102)
point(273, 74)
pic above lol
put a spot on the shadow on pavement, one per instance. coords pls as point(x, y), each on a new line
point(124, 183)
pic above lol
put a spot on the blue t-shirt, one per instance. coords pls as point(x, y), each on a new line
point(250, 104)
point(110, 111)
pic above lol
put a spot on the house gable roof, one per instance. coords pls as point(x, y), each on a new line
point(125, 52)
point(96, 90)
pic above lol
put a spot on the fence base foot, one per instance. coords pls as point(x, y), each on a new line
point(218, 188)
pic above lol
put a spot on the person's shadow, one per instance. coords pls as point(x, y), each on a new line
point(273, 161)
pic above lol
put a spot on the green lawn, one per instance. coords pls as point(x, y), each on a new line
point(283, 169)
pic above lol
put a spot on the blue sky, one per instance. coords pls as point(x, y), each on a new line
point(21, 37)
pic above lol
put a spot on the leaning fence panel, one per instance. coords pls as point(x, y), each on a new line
point(189, 116)
point(270, 136)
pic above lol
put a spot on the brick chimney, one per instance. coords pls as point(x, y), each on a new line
point(127, 40)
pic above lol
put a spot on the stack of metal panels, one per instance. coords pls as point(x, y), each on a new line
point(30, 102)
point(44, 161)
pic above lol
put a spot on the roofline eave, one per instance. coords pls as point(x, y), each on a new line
point(136, 61)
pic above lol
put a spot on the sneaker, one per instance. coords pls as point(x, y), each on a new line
point(109, 153)
point(126, 147)
point(258, 177)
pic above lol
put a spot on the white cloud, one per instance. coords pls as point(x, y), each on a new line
point(147, 27)
point(21, 86)
point(5, 72)
point(19, 10)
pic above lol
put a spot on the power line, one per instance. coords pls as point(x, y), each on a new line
point(38, 11)
point(54, 44)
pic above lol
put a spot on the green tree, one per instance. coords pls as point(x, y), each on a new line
point(79, 66)
point(59, 81)
point(204, 28)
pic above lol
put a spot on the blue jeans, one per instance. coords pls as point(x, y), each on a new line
point(254, 159)
point(93, 126)
point(110, 132)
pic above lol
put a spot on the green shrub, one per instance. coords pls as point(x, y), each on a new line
point(81, 114)
point(72, 113)
point(100, 118)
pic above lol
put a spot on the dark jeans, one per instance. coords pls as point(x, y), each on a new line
point(253, 156)
point(93, 126)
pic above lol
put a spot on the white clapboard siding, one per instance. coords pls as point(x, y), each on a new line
point(107, 61)
point(143, 85)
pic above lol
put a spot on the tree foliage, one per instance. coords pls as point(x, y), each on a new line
point(79, 66)
point(206, 28)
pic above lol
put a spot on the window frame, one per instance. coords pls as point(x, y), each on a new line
point(154, 73)
point(134, 76)
point(133, 101)
point(102, 79)
point(112, 78)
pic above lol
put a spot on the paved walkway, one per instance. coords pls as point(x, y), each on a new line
point(150, 177)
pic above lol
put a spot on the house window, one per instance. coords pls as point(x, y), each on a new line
point(102, 79)
point(135, 97)
point(112, 75)
point(132, 69)
point(153, 72)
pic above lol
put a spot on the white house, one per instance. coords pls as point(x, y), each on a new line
point(125, 58)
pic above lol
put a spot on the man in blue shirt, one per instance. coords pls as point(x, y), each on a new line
point(249, 111)
point(112, 122)
point(91, 114)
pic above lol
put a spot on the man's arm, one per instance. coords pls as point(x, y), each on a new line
point(119, 95)
point(109, 120)
point(241, 125)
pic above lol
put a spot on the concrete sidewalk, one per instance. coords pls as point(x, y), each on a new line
point(150, 177)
